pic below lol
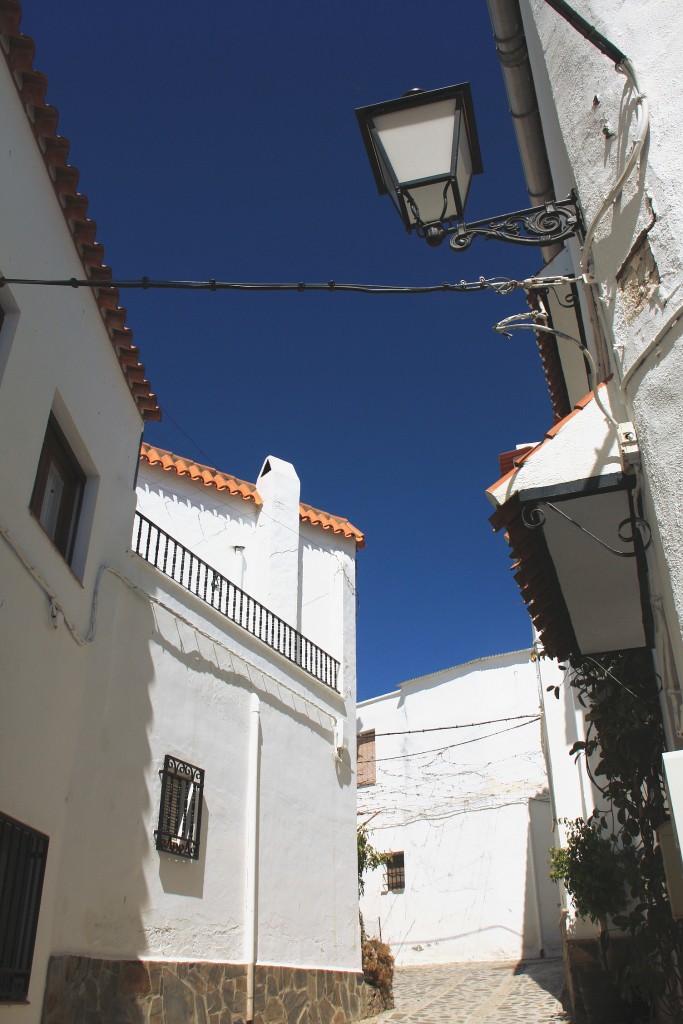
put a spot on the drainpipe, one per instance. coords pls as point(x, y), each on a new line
point(252, 851)
point(508, 32)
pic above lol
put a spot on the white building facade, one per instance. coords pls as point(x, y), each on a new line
point(177, 795)
point(452, 782)
point(593, 512)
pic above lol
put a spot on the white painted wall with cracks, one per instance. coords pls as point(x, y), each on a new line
point(470, 809)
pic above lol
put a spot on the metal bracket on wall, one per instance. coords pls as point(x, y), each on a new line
point(533, 517)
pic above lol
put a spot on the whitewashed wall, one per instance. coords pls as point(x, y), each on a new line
point(470, 809)
point(181, 684)
point(588, 118)
point(236, 537)
point(53, 346)
point(201, 679)
point(133, 668)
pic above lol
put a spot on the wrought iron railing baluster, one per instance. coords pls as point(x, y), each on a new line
point(177, 562)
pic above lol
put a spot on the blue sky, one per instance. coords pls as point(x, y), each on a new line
point(218, 140)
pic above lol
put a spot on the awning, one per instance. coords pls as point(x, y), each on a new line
point(571, 520)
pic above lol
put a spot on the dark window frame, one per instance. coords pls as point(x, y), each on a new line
point(57, 453)
point(23, 855)
point(396, 872)
point(180, 808)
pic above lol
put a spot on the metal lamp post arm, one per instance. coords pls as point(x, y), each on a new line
point(537, 226)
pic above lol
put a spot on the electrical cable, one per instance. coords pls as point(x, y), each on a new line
point(501, 285)
point(519, 321)
point(463, 743)
point(465, 725)
point(88, 639)
point(667, 326)
point(626, 68)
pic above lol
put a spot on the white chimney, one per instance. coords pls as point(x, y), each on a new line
point(277, 539)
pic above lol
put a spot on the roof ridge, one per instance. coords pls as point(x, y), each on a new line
point(210, 477)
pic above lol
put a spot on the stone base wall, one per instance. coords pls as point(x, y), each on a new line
point(81, 990)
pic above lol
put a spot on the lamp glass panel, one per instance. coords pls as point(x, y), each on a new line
point(463, 174)
point(419, 141)
point(429, 200)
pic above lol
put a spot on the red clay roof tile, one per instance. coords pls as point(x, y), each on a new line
point(19, 51)
point(209, 477)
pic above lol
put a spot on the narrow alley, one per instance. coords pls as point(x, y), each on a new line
point(479, 993)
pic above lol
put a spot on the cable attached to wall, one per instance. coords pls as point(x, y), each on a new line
point(500, 285)
point(56, 611)
point(539, 322)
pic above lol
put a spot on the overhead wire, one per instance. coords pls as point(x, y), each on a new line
point(463, 743)
point(463, 725)
point(500, 285)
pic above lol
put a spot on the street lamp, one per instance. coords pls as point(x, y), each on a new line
point(424, 151)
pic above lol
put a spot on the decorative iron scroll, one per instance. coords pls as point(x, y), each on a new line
point(180, 808)
point(533, 517)
point(539, 225)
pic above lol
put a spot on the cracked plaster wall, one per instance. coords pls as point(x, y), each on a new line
point(588, 118)
point(459, 805)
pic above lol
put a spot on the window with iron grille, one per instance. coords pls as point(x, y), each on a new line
point(365, 758)
point(396, 873)
point(58, 490)
point(180, 808)
point(23, 853)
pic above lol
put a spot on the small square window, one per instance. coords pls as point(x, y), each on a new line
point(58, 490)
point(23, 853)
point(396, 873)
point(180, 808)
point(365, 758)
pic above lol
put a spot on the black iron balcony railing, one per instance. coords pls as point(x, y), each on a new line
point(185, 568)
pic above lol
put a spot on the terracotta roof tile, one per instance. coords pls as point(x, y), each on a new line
point(537, 580)
point(335, 523)
point(532, 565)
point(209, 477)
point(511, 460)
point(19, 52)
point(552, 367)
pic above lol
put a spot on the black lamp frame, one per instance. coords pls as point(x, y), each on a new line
point(545, 225)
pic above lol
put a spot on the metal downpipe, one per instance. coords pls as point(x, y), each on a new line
point(508, 33)
point(252, 853)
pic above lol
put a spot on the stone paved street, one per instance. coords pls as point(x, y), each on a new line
point(485, 993)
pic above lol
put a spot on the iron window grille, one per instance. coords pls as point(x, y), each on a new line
point(180, 808)
point(58, 490)
point(23, 853)
point(396, 873)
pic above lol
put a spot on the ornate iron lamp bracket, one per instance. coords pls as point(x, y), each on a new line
point(539, 225)
point(533, 517)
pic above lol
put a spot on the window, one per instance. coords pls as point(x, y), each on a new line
point(180, 808)
point(58, 490)
point(365, 758)
point(23, 853)
point(396, 873)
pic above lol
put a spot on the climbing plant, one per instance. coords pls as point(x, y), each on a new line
point(611, 865)
point(368, 857)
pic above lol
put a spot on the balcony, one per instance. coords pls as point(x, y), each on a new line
point(170, 557)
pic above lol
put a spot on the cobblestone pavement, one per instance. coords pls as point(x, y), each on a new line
point(485, 993)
